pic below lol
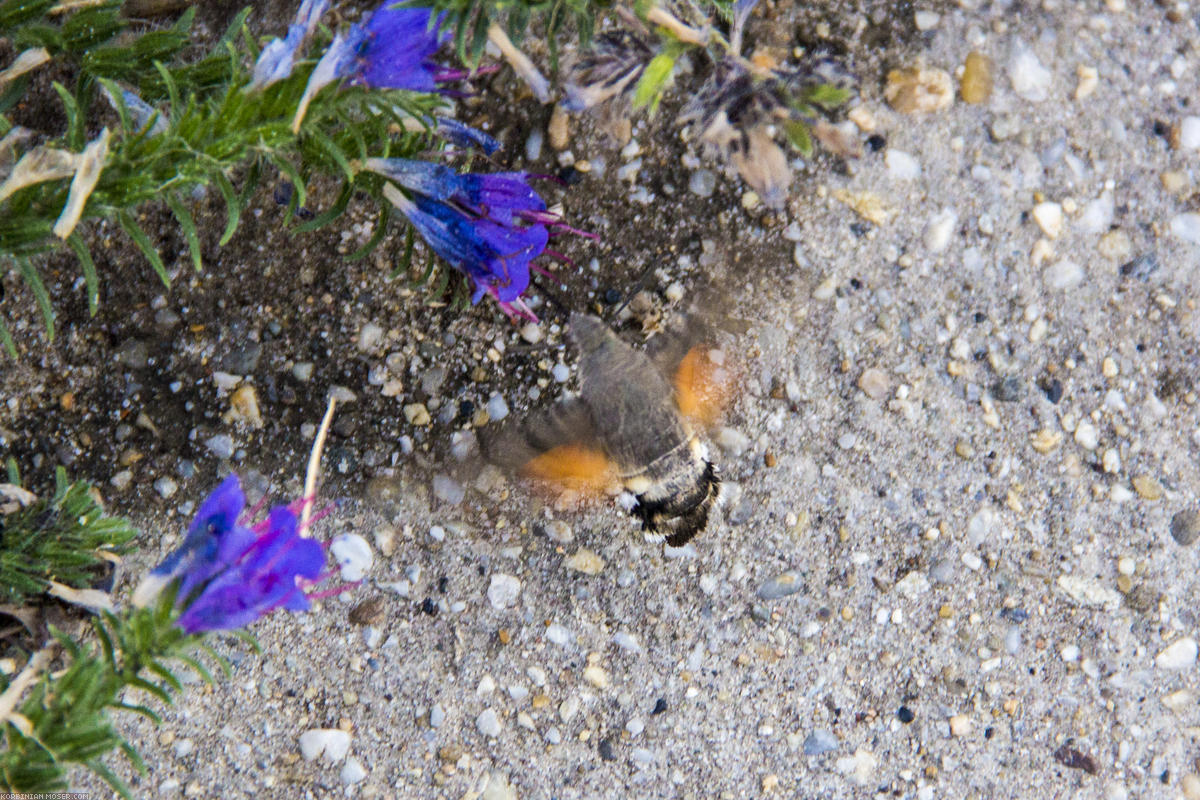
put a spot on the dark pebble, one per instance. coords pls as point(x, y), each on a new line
point(876, 142)
point(368, 612)
point(242, 360)
point(606, 750)
point(570, 176)
point(1017, 615)
point(989, 732)
point(283, 193)
point(1070, 757)
point(1007, 390)
point(905, 714)
point(443, 584)
point(660, 705)
point(429, 606)
point(1141, 267)
point(133, 354)
point(1053, 389)
point(860, 229)
point(612, 297)
point(1185, 527)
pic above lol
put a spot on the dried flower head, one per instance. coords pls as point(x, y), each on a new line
point(610, 68)
point(739, 112)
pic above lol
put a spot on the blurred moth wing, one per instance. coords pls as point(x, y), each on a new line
point(635, 425)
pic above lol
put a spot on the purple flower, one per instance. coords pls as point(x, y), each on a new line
point(463, 135)
point(229, 574)
point(490, 227)
point(393, 49)
point(275, 61)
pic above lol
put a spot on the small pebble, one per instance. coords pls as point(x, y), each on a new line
point(819, 742)
point(488, 723)
point(503, 591)
point(448, 490)
point(782, 585)
point(1063, 275)
point(585, 561)
point(901, 166)
point(533, 145)
point(369, 337)
point(926, 20)
point(353, 556)
point(220, 445)
point(1086, 435)
point(559, 635)
point(497, 408)
point(875, 383)
point(1185, 527)
point(1181, 654)
point(353, 772)
point(960, 725)
point(532, 332)
point(596, 676)
point(1049, 217)
point(976, 84)
point(919, 89)
point(165, 487)
point(331, 742)
point(939, 230)
point(417, 414)
point(1186, 227)
point(560, 373)
point(1030, 80)
point(702, 183)
point(1189, 134)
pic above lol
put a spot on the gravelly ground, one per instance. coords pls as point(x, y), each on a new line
point(974, 479)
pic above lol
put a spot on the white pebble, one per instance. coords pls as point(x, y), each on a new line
point(627, 642)
point(1189, 133)
point(353, 556)
point(559, 635)
point(1186, 227)
point(1070, 653)
point(973, 561)
point(165, 487)
point(332, 742)
point(635, 727)
point(940, 229)
point(533, 145)
point(1030, 80)
point(1097, 215)
point(560, 372)
point(369, 337)
point(1180, 655)
point(532, 332)
point(488, 723)
point(497, 408)
point(1049, 217)
point(1086, 435)
point(503, 591)
point(927, 20)
point(353, 772)
point(901, 166)
point(1065, 274)
point(447, 489)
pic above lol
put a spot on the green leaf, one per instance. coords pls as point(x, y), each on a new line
point(40, 295)
point(184, 217)
point(10, 347)
point(139, 237)
point(798, 136)
point(653, 83)
point(110, 777)
point(90, 279)
point(233, 210)
point(827, 96)
point(175, 106)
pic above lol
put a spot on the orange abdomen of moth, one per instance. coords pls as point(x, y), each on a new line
point(574, 466)
point(702, 387)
